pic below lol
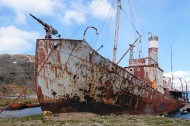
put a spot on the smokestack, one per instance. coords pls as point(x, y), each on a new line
point(153, 50)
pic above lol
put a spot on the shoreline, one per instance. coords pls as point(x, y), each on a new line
point(7, 102)
point(85, 118)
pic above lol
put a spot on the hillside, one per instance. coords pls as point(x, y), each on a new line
point(16, 71)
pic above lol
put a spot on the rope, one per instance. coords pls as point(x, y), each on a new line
point(102, 27)
point(132, 17)
point(140, 25)
point(99, 23)
point(102, 18)
point(130, 21)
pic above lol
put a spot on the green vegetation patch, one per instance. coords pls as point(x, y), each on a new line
point(103, 120)
point(165, 121)
point(5, 102)
point(74, 121)
point(114, 121)
point(98, 120)
point(32, 117)
point(104, 117)
point(27, 118)
point(132, 118)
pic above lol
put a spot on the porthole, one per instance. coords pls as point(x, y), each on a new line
point(55, 44)
point(112, 68)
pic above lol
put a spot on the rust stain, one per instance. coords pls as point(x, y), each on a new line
point(74, 77)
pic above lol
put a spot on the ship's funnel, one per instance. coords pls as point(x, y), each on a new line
point(153, 50)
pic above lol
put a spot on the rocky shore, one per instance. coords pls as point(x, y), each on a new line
point(90, 119)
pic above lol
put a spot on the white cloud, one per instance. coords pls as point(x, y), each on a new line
point(46, 7)
point(15, 41)
point(78, 11)
point(185, 77)
point(37, 7)
point(103, 9)
point(65, 11)
point(178, 74)
point(71, 15)
point(13, 45)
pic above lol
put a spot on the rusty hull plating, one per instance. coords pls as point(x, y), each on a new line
point(71, 76)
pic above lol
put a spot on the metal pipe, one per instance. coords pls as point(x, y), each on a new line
point(99, 48)
point(187, 93)
point(181, 85)
point(87, 29)
point(186, 88)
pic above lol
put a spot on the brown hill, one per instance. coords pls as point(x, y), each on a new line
point(16, 71)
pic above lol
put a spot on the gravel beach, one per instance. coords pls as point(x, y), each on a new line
point(90, 119)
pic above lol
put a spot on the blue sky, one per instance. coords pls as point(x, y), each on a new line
point(167, 19)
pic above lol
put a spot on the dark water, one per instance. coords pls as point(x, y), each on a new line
point(177, 114)
point(20, 113)
point(37, 110)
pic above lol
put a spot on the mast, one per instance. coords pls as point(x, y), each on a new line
point(116, 30)
point(172, 67)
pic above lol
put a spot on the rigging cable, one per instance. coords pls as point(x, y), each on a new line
point(107, 29)
point(135, 35)
point(85, 19)
point(99, 23)
point(133, 25)
point(101, 29)
point(83, 22)
point(132, 17)
point(130, 21)
point(140, 24)
point(139, 46)
point(106, 33)
point(106, 39)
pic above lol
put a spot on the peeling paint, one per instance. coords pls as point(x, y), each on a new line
point(71, 76)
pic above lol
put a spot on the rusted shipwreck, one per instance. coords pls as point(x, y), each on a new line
point(71, 76)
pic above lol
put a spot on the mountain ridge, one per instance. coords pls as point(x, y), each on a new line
point(16, 71)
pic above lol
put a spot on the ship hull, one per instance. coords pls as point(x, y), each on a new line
point(70, 76)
